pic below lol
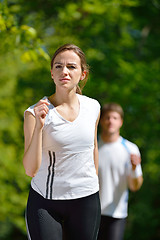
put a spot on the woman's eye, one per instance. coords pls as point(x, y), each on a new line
point(58, 66)
point(72, 67)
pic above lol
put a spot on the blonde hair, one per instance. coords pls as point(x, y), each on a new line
point(84, 65)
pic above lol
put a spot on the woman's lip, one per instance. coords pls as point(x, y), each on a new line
point(64, 79)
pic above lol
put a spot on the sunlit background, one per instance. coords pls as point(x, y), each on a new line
point(121, 39)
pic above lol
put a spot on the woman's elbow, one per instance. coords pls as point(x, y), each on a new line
point(28, 171)
point(29, 174)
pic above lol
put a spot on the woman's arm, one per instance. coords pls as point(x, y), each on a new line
point(33, 138)
point(96, 146)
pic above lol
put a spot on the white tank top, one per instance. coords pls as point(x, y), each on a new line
point(67, 170)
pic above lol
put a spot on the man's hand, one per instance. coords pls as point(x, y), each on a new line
point(135, 160)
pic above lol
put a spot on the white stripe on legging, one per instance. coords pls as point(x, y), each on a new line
point(28, 235)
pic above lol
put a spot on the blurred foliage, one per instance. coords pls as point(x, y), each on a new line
point(121, 42)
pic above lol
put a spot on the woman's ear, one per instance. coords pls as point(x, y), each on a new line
point(83, 75)
point(51, 74)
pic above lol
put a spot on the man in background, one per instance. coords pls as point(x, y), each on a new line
point(119, 171)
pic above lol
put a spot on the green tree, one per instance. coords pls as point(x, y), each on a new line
point(120, 39)
point(19, 45)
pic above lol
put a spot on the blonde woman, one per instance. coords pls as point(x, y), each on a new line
point(61, 155)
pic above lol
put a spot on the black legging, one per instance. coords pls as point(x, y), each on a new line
point(111, 228)
point(76, 219)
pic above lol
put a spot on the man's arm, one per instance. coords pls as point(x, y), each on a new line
point(135, 180)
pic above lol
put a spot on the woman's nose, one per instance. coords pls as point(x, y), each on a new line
point(65, 70)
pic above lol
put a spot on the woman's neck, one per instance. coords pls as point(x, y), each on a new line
point(67, 98)
point(67, 106)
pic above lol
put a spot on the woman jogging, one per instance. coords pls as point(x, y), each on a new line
point(61, 155)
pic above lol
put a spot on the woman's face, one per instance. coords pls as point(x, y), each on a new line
point(66, 71)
